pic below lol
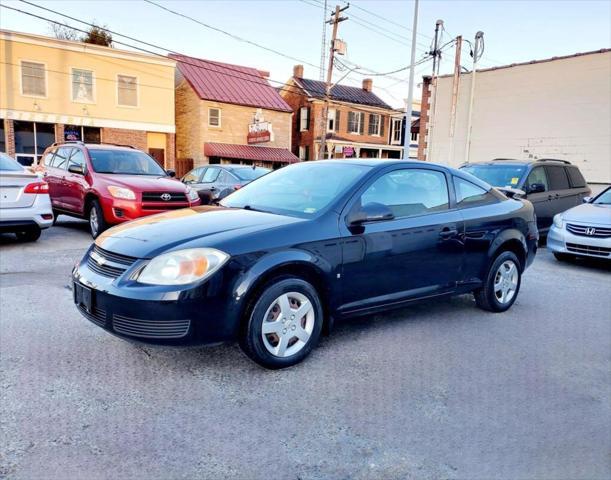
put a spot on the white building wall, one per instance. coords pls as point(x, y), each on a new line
point(554, 109)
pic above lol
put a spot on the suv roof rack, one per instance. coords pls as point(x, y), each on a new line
point(55, 144)
point(566, 162)
point(118, 145)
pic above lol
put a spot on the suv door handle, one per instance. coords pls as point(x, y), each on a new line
point(448, 233)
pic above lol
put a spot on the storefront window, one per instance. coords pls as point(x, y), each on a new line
point(31, 140)
point(82, 134)
point(2, 137)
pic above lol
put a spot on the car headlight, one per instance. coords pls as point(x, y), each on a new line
point(121, 192)
point(183, 266)
point(192, 194)
point(558, 221)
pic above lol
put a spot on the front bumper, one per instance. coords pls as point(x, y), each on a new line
point(168, 315)
point(119, 211)
point(560, 240)
point(17, 219)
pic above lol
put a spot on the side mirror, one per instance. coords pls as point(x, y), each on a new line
point(171, 173)
point(77, 169)
point(587, 199)
point(370, 212)
point(536, 188)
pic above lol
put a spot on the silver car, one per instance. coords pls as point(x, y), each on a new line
point(584, 230)
point(25, 206)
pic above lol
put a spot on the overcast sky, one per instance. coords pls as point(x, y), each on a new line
point(515, 31)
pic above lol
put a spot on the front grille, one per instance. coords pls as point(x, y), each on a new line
point(589, 231)
point(588, 249)
point(161, 329)
point(107, 263)
point(97, 316)
point(157, 197)
point(166, 206)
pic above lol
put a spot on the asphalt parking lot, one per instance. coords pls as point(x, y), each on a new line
point(439, 390)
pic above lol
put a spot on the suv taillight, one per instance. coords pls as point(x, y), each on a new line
point(37, 187)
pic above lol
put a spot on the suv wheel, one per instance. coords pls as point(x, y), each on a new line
point(502, 284)
point(97, 224)
point(284, 323)
point(30, 235)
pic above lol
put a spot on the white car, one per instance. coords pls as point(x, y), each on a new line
point(25, 206)
point(584, 230)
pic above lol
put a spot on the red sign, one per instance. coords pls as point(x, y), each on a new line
point(260, 136)
point(348, 152)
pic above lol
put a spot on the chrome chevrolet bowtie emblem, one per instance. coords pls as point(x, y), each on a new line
point(590, 231)
point(166, 197)
point(98, 259)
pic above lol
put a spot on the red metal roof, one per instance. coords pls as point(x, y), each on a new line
point(227, 83)
point(249, 152)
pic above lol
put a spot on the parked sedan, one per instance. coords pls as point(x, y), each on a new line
point(584, 230)
point(215, 182)
point(280, 259)
point(25, 206)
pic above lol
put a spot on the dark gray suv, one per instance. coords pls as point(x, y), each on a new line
point(552, 186)
point(215, 182)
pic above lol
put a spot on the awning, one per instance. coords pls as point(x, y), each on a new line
point(249, 152)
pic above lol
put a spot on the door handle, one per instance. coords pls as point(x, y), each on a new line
point(448, 233)
point(213, 189)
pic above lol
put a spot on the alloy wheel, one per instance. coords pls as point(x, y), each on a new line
point(288, 324)
point(506, 282)
point(94, 223)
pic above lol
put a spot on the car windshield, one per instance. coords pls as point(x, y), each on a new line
point(300, 190)
point(250, 173)
point(604, 198)
point(497, 175)
point(124, 162)
point(8, 164)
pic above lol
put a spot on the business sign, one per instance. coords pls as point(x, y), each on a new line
point(259, 131)
point(348, 152)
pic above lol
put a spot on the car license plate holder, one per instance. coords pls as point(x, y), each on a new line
point(83, 297)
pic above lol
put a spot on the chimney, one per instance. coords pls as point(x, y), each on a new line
point(298, 71)
point(367, 84)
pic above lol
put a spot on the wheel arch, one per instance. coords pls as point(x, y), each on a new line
point(512, 241)
point(294, 263)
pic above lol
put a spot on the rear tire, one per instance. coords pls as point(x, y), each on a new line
point(97, 224)
point(502, 284)
point(563, 257)
point(275, 310)
point(30, 235)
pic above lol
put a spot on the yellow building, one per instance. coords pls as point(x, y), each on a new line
point(55, 90)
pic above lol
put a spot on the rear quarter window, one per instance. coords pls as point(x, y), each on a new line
point(576, 178)
point(470, 195)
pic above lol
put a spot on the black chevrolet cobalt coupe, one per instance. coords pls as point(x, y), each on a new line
point(277, 261)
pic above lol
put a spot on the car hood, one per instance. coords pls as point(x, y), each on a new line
point(150, 236)
point(589, 213)
point(144, 183)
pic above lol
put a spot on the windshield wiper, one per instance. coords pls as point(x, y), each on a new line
point(254, 209)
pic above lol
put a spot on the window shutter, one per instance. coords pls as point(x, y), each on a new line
point(382, 125)
point(337, 120)
point(298, 119)
point(362, 123)
point(309, 122)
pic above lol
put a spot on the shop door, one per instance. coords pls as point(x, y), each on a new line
point(159, 155)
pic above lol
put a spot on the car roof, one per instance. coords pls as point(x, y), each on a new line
point(515, 161)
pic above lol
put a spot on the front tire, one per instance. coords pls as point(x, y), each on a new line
point(29, 235)
point(284, 323)
point(502, 284)
point(97, 224)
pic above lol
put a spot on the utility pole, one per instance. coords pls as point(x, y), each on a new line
point(407, 138)
point(436, 55)
point(335, 21)
point(478, 50)
point(455, 85)
point(323, 48)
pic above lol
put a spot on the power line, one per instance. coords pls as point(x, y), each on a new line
point(229, 34)
point(259, 80)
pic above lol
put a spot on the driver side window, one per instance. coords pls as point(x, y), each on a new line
point(537, 176)
point(211, 174)
point(409, 192)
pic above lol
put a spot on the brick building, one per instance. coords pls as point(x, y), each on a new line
point(55, 90)
point(359, 123)
point(230, 114)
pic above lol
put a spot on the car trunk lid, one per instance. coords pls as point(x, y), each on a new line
point(12, 185)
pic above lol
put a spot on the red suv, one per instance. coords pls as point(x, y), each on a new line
point(109, 184)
